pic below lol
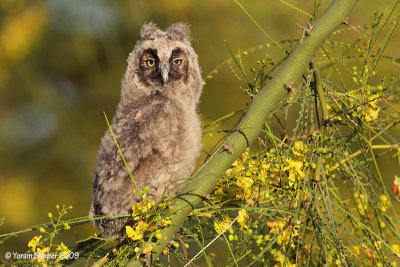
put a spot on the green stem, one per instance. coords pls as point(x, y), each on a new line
point(139, 193)
point(320, 92)
point(325, 115)
point(250, 126)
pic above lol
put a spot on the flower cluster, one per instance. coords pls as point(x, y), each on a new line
point(362, 102)
point(281, 177)
point(260, 182)
point(252, 179)
point(43, 250)
point(146, 222)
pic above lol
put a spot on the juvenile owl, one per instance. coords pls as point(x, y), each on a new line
point(156, 125)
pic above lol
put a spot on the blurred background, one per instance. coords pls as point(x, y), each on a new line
point(61, 64)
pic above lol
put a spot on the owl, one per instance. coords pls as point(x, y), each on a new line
point(156, 126)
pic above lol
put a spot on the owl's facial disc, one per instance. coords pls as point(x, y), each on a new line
point(156, 69)
point(178, 65)
point(148, 66)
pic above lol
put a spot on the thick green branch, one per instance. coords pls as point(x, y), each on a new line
point(249, 127)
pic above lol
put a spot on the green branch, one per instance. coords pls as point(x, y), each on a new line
point(249, 127)
point(325, 115)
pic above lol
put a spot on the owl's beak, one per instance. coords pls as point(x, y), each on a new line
point(164, 73)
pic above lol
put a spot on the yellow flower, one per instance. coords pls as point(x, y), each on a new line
point(158, 234)
point(63, 248)
point(218, 194)
point(396, 248)
point(41, 255)
point(276, 226)
point(138, 209)
point(244, 187)
point(244, 182)
point(362, 203)
point(133, 234)
point(220, 226)
point(377, 244)
point(371, 114)
point(299, 149)
point(163, 223)
point(35, 241)
point(63, 251)
point(237, 166)
point(296, 172)
point(166, 250)
point(333, 111)
point(129, 231)
point(148, 249)
point(279, 258)
point(306, 196)
point(355, 250)
point(385, 203)
point(142, 226)
point(285, 230)
point(137, 233)
point(205, 214)
point(243, 219)
point(265, 166)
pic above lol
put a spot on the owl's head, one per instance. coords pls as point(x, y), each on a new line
point(164, 61)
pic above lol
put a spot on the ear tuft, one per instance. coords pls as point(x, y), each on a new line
point(179, 31)
point(148, 30)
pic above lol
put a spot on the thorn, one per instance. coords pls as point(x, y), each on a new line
point(289, 87)
point(346, 22)
point(250, 94)
point(228, 148)
point(179, 231)
point(308, 29)
point(285, 139)
point(207, 198)
point(261, 141)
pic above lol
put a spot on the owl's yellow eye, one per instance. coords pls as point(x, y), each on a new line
point(177, 62)
point(150, 62)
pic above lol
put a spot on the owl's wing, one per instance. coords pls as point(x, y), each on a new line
point(150, 140)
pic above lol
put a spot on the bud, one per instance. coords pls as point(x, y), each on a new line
point(158, 234)
point(230, 237)
point(395, 189)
